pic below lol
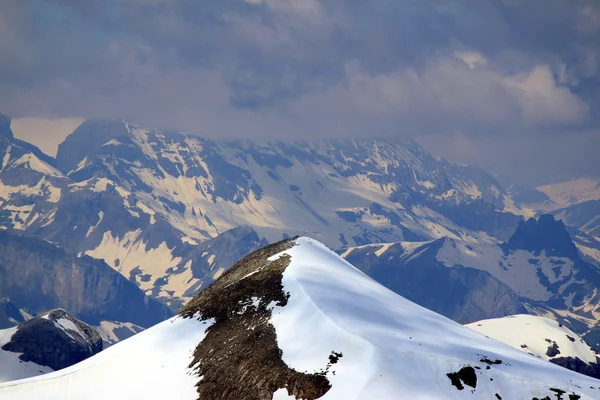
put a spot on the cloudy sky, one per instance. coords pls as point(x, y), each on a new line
point(509, 85)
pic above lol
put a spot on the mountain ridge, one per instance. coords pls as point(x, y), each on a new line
point(331, 320)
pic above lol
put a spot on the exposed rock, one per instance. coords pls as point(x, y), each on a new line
point(10, 315)
point(56, 340)
point(543, 234)
point(575, 364)
point(239, 358)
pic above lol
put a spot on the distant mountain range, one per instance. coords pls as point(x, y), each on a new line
point(143, 200)
point(158, 216)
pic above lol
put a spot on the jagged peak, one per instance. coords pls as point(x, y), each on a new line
point(544, 233)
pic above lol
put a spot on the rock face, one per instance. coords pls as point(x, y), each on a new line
point(544, 234)
point(55, 339)
point(575, 364)
point(10, 315)
point(41, 276)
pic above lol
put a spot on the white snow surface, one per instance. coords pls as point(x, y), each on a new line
point(574, 191)
point(150, 365)
point(532, 331)
point(11, 367)
point(392, 348)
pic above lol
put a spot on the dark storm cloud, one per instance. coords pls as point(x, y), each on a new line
point(523, 74)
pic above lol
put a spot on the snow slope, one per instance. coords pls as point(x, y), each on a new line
point(573, 191)
point(11, 368)
point(150, 365)
point(391, 348)
point(534, 335)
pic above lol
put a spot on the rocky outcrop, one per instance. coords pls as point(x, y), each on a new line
point(235, 361)
point(55, 340)
point(544, 234)
point(575, 364)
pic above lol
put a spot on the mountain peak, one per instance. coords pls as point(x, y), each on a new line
point(54, 339)
point(86, 139)
point(545, 233)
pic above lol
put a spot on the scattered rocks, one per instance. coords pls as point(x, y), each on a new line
point(465, 376)
point(553, 350)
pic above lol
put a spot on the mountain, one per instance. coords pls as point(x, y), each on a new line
point(543, 338)
point(583, 216)
point(11, 315)
point(292, 321)
point(39, 276)
point(52, 341)
point(143, 200)
point(525, 195)
point(538, 270)
point(588, 246)
point(572, 192)
point(419, 272)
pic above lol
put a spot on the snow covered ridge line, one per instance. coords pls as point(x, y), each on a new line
point(294, 320)
point(240, 303)
point(319, 308)
point(543, 338)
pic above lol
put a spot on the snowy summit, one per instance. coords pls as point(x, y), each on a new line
point(294, 320)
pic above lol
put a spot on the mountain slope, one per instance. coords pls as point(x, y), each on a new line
point(141, 200)
point(584, 216)
point(415, 271)
point(333, 329)
point(572, 192)
point(40, 276)
point(538, 270)
point(543, 338)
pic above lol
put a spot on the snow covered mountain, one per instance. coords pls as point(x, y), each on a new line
point(543, 338)
point(142, 200)
point(538, 270)
point(50, 342)
point(583, 216)
point(572, 192)
point(294, 320)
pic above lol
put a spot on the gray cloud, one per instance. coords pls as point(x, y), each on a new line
point(461, 73)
